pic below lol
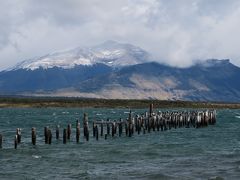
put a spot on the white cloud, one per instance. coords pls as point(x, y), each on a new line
point(176, 32)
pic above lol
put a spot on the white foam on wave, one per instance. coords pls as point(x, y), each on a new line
point(36, 156)
point(237, 117)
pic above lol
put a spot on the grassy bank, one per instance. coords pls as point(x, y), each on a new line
point(115, 103)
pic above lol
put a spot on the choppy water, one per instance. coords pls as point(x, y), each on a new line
point(186, 153)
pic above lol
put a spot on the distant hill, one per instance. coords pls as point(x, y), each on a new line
point(120, 71)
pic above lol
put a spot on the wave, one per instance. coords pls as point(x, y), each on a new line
point(36, 157)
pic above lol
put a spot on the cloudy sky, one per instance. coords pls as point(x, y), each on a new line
point(176, 32)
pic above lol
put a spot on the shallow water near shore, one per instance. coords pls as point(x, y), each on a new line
point(185, 153)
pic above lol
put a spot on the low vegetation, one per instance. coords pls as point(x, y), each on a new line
point(106, 103)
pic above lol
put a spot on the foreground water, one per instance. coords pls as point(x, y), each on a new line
point(186, 153)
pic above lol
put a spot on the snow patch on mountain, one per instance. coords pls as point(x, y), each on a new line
point(111, 53)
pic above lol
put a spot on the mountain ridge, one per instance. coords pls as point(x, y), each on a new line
point(139, 78)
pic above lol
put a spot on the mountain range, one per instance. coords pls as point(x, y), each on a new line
point(114, 70)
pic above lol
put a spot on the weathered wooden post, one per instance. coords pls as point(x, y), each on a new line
point(214, 117)
point(148, 124)
point(120, 128)
point(130, 130)
point(34, 136)
point(130, 116)
point(181, 120)
point(153, 122)
point(64, 136)
point(169, 122)
point(188, 121)
point(57, 132)
point(113, 129)
point(87, 132)
point(130, 125)
point(15, 141)
point(19, 136)
point(136, 122)
point(85, 124)
point(175, 121)
point(151, 110)
point(158, 125)
point(85, 121)
point(94, 128)
point(78, 132)
point(126, 128)
point(49, 136)
point(198, 120)
point(96, 132)
point(1, 140)
point(108, 127)
point(161, 123)
point(138, 126)
point(102, 128)
point(69, 131)
point(46, 134)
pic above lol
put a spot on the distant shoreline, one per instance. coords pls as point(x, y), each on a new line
point(44, 102)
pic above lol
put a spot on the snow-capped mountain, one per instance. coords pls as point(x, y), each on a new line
point(110, 53)
point(120, 71)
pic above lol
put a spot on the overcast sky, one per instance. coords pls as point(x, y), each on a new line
point(176, 32)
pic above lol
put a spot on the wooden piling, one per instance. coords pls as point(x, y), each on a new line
point(113, 129)
point(158, 124)
point(130, 116)
point(78, 132)
point(85, 127)
point(96, 132)
point(151, 110)
point(1, 140)
point(94, 128)
point(15, 141)
point(87, 137)
point(153, 121)
point(102, 129)
point(130, 130)
point(120, 128)
point(46, 134)
point(57, 132)
point(138, 126)
point(64, 136)
point(85, 123)
point(86, 131)
point(108, 127)
point(34, 136)
point(49, 136)
point(126, 129)
point(69, 131)
point(19, 136)
point(148, 125)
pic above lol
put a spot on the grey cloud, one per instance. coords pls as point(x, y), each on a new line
point(176, 32)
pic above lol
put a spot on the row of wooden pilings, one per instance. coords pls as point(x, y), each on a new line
point(144, 123)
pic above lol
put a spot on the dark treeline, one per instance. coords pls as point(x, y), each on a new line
point(111, 103)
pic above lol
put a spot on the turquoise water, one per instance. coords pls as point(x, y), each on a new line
point(185, 153)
